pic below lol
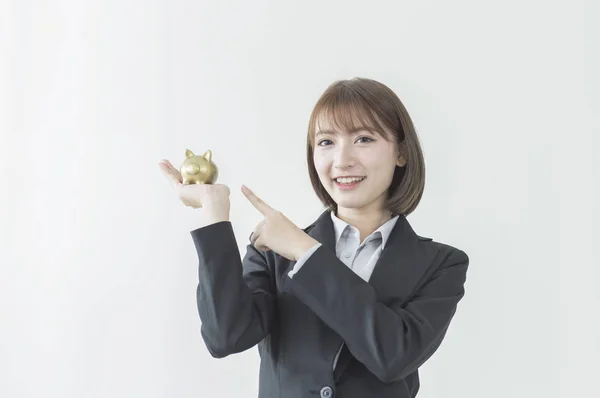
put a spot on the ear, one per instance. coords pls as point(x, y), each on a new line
point(188, 153)
point(401, 162)
point(207, 155)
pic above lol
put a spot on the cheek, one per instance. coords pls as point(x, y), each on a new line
point(321, 166)
point(379, 161)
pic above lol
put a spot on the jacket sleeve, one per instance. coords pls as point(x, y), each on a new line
point(391, 341)
point(235, 297)
point(303, 259)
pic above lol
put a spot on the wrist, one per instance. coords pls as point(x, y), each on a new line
point(212, 216)
point(304, 246)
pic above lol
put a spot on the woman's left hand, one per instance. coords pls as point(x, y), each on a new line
point(276, 232)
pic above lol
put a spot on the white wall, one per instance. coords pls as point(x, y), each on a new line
point(98, 270)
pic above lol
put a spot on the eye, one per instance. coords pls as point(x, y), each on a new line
point(361, 138)
point(367, 138)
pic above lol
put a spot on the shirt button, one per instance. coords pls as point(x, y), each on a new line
point(347, 254)
point(326, 392)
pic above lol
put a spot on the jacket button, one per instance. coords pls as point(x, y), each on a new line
point(326, 392)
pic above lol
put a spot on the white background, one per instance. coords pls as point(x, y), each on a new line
point(98, 270)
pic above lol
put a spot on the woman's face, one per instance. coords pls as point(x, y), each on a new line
point(358, 154)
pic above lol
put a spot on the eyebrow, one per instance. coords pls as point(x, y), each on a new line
point(353, 131)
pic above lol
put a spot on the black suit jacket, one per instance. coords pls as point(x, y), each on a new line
point(391, 325)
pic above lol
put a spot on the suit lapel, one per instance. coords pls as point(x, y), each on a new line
point(402, 264)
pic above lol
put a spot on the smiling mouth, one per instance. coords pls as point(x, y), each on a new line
point(348, 185)
point(346, 178)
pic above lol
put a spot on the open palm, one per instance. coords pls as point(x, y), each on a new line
point(194, 195)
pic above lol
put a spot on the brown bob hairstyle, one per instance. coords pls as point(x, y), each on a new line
point(377, 109)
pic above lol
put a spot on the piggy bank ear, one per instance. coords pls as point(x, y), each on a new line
point(188, 153)
point(207, 155)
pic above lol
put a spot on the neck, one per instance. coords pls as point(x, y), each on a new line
point(366, 221)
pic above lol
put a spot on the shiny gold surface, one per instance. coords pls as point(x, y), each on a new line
point(197, 169)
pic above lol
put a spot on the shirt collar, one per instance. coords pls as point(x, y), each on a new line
point(384, 230)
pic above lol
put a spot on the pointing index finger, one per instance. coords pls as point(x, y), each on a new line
point(257, 202)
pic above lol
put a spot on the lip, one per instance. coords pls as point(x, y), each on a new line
point(347, 177)
point(348, 187)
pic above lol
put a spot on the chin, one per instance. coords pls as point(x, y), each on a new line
point(349, 203)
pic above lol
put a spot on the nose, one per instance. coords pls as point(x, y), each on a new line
point(344, 158)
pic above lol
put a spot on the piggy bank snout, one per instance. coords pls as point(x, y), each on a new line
point(193, 169)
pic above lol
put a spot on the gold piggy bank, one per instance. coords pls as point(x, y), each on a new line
point(197, 169)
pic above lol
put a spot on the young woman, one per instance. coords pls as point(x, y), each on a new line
point(353, 304)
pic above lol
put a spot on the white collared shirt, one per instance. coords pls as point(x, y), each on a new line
point(359, 257)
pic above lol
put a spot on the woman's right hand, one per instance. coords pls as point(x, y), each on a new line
point(214, 198)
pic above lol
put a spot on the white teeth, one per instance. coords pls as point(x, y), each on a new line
point(349, 180)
